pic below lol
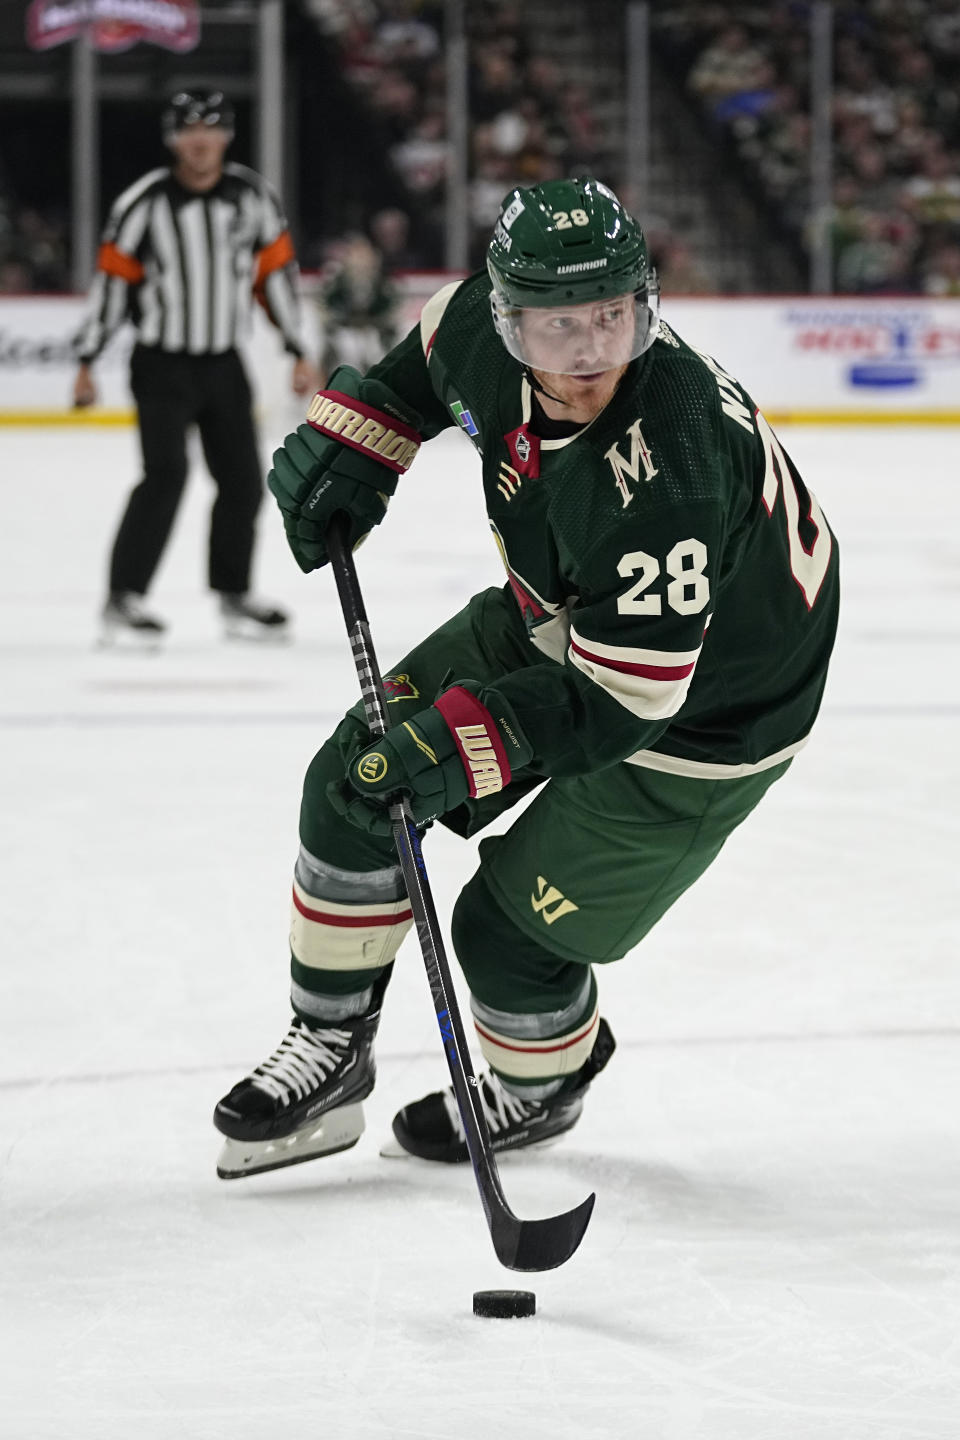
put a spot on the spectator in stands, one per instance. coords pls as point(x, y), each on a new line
point(43, 248)
point(752, 102)
point(869, 166)
point(941, 30)
point(582, 132)
point(390, 232)
point(846, 214)
point(495, 83)
point(680, 273)
point(403, 36)
point(420, 158)
point(730, 66)
point(917, 78)
point(395, 99)
point(933, 196)
point(859, 91)
point(941, 272)
point(492, 177)
point(15, 278)
point(911, 138)
point(877, 262)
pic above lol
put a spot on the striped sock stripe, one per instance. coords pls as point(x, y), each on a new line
point(539, 1059)
point(358, 916)
point(340, 937)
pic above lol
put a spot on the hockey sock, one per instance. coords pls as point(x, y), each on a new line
point(346, 928)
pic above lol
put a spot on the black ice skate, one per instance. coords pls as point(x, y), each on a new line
point(431, 1128)
point(247, 619)
point(125, 620)
point(304, 1100)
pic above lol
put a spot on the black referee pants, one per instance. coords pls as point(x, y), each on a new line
point(173, 392)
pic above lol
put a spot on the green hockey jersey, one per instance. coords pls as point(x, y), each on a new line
point(677, 581)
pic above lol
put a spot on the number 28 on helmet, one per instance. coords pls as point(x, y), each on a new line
point(573, 290)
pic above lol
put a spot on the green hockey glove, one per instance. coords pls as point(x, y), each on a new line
point(460, 746)
point(358, 439)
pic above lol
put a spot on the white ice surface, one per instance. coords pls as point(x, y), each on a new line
point(775, 1147)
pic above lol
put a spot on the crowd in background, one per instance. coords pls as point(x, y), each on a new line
point(895, 219)
point(528, 121)
point(33, 247)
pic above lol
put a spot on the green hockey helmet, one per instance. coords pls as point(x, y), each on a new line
point(573, 290)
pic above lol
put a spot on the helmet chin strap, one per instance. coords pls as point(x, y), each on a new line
point(534, 384)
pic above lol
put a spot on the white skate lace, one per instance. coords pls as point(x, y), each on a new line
point(301, 1062)
point(501, 1108)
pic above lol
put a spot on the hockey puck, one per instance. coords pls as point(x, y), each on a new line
point(504, 1304)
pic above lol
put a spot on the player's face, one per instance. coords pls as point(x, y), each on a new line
point(580, 340)
point(200, 149)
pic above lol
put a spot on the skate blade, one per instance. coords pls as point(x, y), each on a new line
point(129, 642)
point(250, 633)
point(391, 1149)
point(338, 1130)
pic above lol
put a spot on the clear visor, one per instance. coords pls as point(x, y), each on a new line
point(580, 339)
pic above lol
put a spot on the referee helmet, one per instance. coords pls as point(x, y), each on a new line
point(188, 107)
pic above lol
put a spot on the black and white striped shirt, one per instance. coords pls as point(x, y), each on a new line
point(184, 266)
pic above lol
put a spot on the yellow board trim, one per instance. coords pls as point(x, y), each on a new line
point(862, 417)
point(67, 417)
point(776, 417)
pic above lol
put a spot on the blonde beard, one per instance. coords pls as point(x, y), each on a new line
point(576, 401)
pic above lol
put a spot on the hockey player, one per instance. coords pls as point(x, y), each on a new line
point(652, 665)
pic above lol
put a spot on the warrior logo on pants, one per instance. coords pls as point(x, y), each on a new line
point(548, 894)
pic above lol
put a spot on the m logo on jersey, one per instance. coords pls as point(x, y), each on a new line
point(625, 470)
point(548, 895)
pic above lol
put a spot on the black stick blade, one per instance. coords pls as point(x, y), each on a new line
point(539, 1244)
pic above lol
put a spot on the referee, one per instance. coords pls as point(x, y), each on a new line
point(185, 249)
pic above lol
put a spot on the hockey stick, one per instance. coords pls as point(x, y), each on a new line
point(519, 1244)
